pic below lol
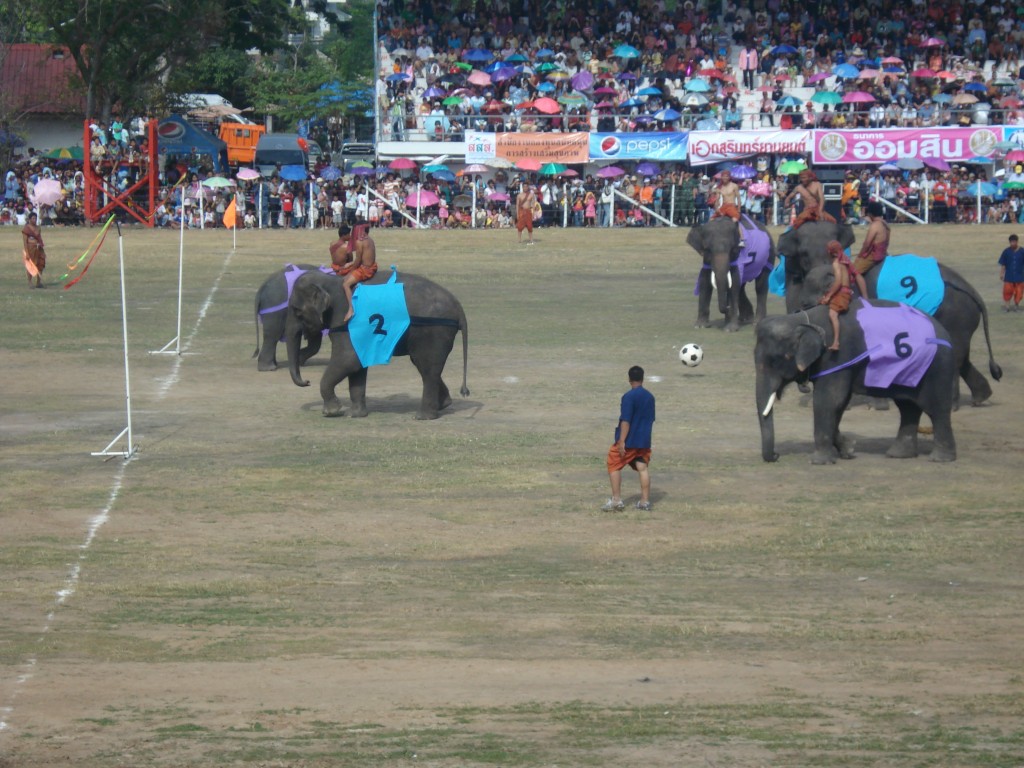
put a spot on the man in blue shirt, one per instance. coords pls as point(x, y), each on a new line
point(1011, 272)
point(632, 446)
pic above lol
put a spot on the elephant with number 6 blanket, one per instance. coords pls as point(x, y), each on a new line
point(436, 316)
point(885, 350)
point(728, 267)
point(960, 310)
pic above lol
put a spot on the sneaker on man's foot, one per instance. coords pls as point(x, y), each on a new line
point(644, 505)
point(613, 505)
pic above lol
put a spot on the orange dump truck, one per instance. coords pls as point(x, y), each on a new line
point(241, 139)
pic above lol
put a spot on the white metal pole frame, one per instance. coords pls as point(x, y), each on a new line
point(130, 449)
point(176, 341)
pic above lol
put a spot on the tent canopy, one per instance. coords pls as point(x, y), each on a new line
point(177, 136)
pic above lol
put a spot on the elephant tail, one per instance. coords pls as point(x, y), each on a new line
point(993, 367)
point(256, 313)
point(464, 327)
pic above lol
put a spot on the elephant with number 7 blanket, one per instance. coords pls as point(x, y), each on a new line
point(435, 316)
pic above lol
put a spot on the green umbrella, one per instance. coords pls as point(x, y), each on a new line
point(1013, 185)
point(452, 100)
point(572, 99)
point(826, 97)
point(65, 153)
point(551, 169)
point(792, 166)
point(464, 65)
point(547, 66)
point(362, 164)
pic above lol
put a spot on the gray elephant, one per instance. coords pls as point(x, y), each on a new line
point(436, 316)
point(271, 311)
point(804, 249)
point(728, 267)
point(960, 311)
point(872, 335)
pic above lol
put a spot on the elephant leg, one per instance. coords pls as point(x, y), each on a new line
point(761, 292)
point(828, 410)
point(905, 446)
point(981, 390)
point(429, 361)
point(273, 332)
point(944, 445)
point(333, 375)
point(844, 445)
point(746, 309)
point(357, 393)
point(311, 348)
point(704, 300)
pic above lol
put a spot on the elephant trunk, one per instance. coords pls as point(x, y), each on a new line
point(767, 393)
point(293, 340)
point(722, 272)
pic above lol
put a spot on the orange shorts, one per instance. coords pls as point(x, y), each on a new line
point(525, 220)
point(361, 272)
point(617, 462)
point(728, 209)
point(1013, 292)
point(840, 302)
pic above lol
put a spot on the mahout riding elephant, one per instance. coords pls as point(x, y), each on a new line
point(728, 267)
point(805, 248)
point(960, 310)
point(873, 335)
point(271, 311)
point(436, 316)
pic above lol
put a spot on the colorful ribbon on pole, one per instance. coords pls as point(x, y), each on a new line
point(100, 236)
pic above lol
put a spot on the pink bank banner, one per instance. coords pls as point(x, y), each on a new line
point(887, 145)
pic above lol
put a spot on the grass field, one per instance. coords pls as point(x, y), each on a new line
point(262, 586)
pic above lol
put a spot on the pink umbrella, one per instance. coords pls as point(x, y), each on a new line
point(401, 164)
point(547, 106)
point(528, 164)
point(422, 199)
point(247, 174)
point(867, 74)
point(475, 168)
point(47, 192)
point(476, 77)
point(1015, 156)
point(923, 72)
point(604, 90)
point(569, 173)
point(499, 197)
point(610, 172)
point(892, 60)
point(931, 42)
point(858, 97)
point(817, 77)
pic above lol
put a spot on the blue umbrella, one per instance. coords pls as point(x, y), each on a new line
point(782, 50)
point(515, 58)
point(984, 188)
point(975, 87)
point(789, 101)
point(477, 54)
point(433, 92)
point(544, 53)
point(708, 124)
point(503, 73)
point(293, 173)
point(743, 172)
point(649, 91)
point(625, 76)
point(490, 68)
point(648, 169)
point(546, 87)
point(398, 77)
point(363, 171)
point(845, 71)
point(942, 98)
point(443, 175)
point(976, 160)
point(643, 119)
point(330, 173)
point(667, 115)
point(626, 52)
point(631, 103)
point(698, 86)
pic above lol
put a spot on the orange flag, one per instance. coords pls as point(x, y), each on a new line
point(231, 215)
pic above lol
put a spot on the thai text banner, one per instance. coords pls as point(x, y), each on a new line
point(706, 147)
point(545, 147)
point(638, 146)
point(884, 145)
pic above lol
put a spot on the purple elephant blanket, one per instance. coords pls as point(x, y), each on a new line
point(752, 258)
point(901, 344)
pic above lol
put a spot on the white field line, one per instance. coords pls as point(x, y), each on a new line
point(70, 585)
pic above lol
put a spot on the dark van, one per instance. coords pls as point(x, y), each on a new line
point(276, 150)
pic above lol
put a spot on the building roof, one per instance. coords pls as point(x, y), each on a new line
point(38, 79)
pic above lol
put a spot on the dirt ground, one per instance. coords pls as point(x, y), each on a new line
point(260, 585)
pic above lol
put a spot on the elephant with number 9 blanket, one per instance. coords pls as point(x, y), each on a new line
point(960, 310)
point(795, 348)
point(435, 316)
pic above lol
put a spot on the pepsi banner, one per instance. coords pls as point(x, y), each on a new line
point(638, 146)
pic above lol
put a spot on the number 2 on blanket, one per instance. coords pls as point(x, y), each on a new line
point(378, 320)
point(902, 349)
point(909, 281)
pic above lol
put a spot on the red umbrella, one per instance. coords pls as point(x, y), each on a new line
point(493, 106)
point(1010, 102)
point(528, 164)
point(547, 106)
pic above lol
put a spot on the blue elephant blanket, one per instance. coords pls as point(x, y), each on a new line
point(380, 320)
point(900, 342)
point(752, 258)
point(913, 280)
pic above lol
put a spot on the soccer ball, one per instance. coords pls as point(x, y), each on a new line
point(691, 354)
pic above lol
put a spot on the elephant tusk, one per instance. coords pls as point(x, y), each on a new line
point(768, 408)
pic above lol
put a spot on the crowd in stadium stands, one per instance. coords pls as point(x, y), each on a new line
point(444, 71)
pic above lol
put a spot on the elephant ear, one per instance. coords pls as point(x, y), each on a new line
point(846, 236)
point(810, 344)
point(696, 239)
point(309, 301)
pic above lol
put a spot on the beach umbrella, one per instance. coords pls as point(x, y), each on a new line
point(401, 52)
point(743, 172)
point(817, 77)
point(789, 101)
point(603, 105)
point(893, 70)
point(582, 80)
point(421, 199)
point(909, 163)
point(543, 53)
point(572, 99)
point(547, 106)
point(826, 97)
point(965, 98)
point(868, 74)
point(604, 90)
point(47, 192)
point(937, 163)
point(975, 86)
point(452, 100)
point(945, 74)
point(648, 169)
point(547, 66)
point(557, 75)
point(1011, 185)
point(845, 71)
point(493, 107)
point(708, 124)
point(1010, 102)
point(891, 60)
point(667, 115)
point(477, 54)
point(858, 97)
point(626, 52)
point(782, 77)
point(696, 85)
point(65, 153)
point(362, 164)
point(401, 164)
point(551, 169)
point(462, 201)
point(792, 166)
point(515, 58)
point(643, 119)
point(528, 164)
point(782, 50)
point(293, 173)
point(610, 172)
point(247, 174)
point(332, 173)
